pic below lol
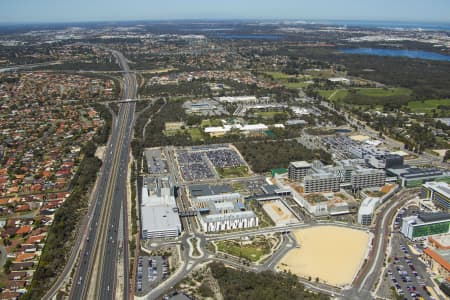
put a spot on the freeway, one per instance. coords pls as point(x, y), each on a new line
point(29, 66)
point(96, 274)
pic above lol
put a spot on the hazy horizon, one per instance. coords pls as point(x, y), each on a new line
point(53, 11)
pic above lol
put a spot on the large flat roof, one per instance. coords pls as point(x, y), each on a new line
point(440, 256)
point(433, 217)
point(198, 190)
point(301, 164)
point(160, 218)
point(411, 173)
point(368, 205)
point(440, 187)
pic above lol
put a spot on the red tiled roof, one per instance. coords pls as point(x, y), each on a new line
point(24, 229)
point(439, 259)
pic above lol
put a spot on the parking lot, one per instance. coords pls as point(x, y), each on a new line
point(406, 273)
point(156, 164)
point(200, 162)
point(151, 271)
point(224, 158)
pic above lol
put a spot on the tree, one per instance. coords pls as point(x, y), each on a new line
point(446, 156)
point(7, 266)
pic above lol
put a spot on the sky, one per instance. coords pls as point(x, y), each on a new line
point(31, 11)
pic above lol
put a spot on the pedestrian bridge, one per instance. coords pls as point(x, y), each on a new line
point(187, 213)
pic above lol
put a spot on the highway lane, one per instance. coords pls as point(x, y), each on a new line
point(109, 254)
point(29, 66)
point(101, 245)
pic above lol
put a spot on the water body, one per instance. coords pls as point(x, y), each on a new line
point(250, 36)
point(434, 26)
point(397, 52)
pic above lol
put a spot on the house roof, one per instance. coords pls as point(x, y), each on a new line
point(24, 229)
point(25, 256)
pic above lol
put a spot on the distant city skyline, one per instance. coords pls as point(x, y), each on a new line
point(42, 11)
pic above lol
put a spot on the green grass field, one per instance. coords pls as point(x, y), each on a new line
point(209, 123)
point(382, 92)
point(376, 94)
point(428, 105)
point(251, 252)
point(196, 134)
point(333, 95)
point(296, 85)
point(284, 80)
point(240, 171)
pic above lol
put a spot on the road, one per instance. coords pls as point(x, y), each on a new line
point(362, 286)
point(29, 66)
point(96, 274)
point(371, 272)
point(423, 158)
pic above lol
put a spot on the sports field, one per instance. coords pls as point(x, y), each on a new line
point(427, 106)
point(330, 253)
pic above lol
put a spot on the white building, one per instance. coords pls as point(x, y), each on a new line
point(438, 192)
point(242, 128)
point(159, 212)
point(160, 222)
point(224, 212)
point(366, 210)
point(340, 80)
point(229, 221)
point(426, 224)
point(237, 99)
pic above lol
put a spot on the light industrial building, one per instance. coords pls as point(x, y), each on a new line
point(425, 224)
point(159, 212)
point(439, 193)
point(238, 99)
point(224, 212)
point(245, 129)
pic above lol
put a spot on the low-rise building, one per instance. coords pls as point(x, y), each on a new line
point(224, 212)
point(172, 126)
point(366, 210)
point(425, 225)
point(438, 260)
point(439, 193)
point(415, 177)
point(238, 99)
point(159, 212)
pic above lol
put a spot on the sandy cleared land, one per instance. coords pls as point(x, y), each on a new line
point(333, 254)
